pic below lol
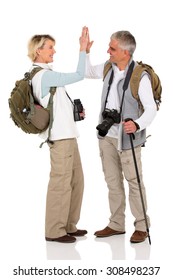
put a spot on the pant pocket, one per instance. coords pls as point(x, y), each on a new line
point(128, 163)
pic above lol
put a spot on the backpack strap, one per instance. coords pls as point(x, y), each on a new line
point(34, 71)
point(50, 102)
point(29, 76)
point(135, 79)
point(50, 107)
point(107, 67)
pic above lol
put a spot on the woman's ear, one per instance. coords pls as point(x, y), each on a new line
point(38, 51)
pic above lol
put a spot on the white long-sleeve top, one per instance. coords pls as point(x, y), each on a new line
point(145, 94)
point(64, 126)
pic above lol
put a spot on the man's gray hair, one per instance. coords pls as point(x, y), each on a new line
point(126, 40)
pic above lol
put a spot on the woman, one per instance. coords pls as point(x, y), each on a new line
point(66, 183)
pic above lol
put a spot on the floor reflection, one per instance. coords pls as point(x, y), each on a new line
point(62, 251)
point(142, 250)
point(59, 251)
point(117, 246)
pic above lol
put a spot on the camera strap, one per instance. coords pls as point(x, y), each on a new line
point(69, 98)
point(126, 82)
point(125, 85)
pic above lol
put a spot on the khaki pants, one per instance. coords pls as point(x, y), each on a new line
point(117, 165)
point(65, 189)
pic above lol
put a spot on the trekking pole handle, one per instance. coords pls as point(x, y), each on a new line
point(130, 134)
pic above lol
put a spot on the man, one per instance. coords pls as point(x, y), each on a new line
point(113, 134)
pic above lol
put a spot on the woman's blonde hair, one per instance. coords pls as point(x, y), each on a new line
point(36, 42)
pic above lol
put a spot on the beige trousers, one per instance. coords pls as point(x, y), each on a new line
point(65, 188)
point(117, 165)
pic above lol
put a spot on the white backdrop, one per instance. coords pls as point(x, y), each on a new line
point(25, 167)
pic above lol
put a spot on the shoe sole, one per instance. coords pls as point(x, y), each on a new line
point(76, 235)
point(137, 241)
point(100, 236)
point(55, 240)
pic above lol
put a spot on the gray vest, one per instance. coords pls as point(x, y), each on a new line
point(130, 109)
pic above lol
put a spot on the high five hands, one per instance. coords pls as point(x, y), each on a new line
point(84, 38)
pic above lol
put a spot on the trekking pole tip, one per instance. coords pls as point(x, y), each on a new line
point(149, 240)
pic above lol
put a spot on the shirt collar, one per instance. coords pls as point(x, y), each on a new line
point(43, 65)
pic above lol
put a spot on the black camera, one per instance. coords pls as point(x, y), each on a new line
point(78, 108)
point(109, 118)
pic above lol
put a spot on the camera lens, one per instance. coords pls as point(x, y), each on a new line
point(105, 126)
point(110, 117)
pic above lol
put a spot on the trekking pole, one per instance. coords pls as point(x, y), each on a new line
point(131, 136)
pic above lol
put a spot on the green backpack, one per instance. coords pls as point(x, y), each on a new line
point(25, 112)
point(135, 80)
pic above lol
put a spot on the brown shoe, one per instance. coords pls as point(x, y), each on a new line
point(62, 239)
point(138, 236)
point(107, 231)
point(79, 232)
